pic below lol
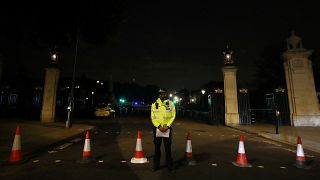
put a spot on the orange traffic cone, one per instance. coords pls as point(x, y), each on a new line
point(241, 158)
point(300, 159)
point(15, 156)
point(188, 155)
point(86, 155)
point(138, 156)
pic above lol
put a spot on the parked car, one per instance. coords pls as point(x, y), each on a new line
point(104, 110)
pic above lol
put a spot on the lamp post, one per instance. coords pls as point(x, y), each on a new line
point(277, 121)
point(70, 108)
point(203, 92)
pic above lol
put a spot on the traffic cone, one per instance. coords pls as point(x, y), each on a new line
point(86, 154)
point(241, 158)
point(16, 156)
point(188, 155)
point(138, 156)
point(300, 159)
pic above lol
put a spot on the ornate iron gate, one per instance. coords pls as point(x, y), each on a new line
point(216, 107)
point(244, 106)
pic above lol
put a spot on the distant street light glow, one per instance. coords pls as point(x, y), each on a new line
point(203, 91)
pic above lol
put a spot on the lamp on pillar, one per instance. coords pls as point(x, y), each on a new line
point(54, 56)
point(228, 56)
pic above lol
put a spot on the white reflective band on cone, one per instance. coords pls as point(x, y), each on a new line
point(16, 143)
point(138, 145)
point(86, 147)
point(241, 148)
point(300, 150)
point(189, 146)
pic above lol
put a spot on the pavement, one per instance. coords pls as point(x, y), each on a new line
point(287, 134)
point(35, 136)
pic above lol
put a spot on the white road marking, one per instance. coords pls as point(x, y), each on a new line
point(100, 161)
point(57, 161)
point(282, 167)
point(123, 161)
point(63, 146)
point(260, 166)
point(214, 164)
point(53, 151)
point(35, 161)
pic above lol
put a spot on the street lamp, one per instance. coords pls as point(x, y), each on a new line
point(203, 91)
point(277, 121)
point(71, 100)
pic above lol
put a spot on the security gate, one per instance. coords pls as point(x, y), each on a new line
point(244, 106)
point(216, 107)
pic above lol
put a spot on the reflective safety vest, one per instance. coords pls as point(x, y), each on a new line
point(163, 113)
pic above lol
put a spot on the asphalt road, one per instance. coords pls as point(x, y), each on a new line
point(113, 144)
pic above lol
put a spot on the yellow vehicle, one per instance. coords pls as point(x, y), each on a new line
point(104, 110)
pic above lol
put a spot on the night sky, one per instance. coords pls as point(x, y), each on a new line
point(173, 44)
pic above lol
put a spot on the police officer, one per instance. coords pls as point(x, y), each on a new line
point(163, 113)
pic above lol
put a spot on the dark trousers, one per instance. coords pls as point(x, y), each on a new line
point(157, 149)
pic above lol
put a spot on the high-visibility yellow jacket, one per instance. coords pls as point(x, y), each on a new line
point(163, 113)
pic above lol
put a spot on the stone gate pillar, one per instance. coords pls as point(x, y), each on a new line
point(230, 89)
point(50, 91)
point(303, 102)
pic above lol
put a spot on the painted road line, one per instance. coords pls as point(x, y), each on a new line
point(53, 151)
point(63, 146)
point(123, 161)
point(35, 161)
point(57, 161)
point(100, 161)
point(214, 164)
point(283, 167)
point(260, 166)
